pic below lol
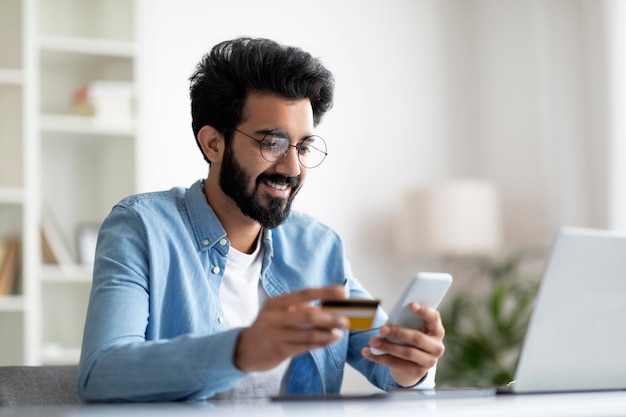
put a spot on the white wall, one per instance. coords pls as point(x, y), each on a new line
point(616, 16)
point(425, 90)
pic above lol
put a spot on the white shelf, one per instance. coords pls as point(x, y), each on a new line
point(66, 273)
point(79, 165)
point(86, 125)
point(11, 303)
point(10, 76)
point(87, 46)
point(11, 195)
point(59, 355)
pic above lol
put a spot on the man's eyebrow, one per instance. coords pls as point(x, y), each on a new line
point(281, 134)
point(276, 132)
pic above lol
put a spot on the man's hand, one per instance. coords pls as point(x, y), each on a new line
point(288, 325)
point(410, 362)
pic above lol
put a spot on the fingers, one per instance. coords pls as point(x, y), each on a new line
point(288, 325)
point(307, 317)
point(409, 353)
point(424, 350)
point(412, 350)
point(304, 296)
point(432, 319)
point(299, 312)
point(404, 357)
point(401, 344)
point(407, 373)
point(307, 339)
point(269, 341)
point(432, 324)
point(433, 330)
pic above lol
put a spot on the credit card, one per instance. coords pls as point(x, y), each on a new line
point(360, 312)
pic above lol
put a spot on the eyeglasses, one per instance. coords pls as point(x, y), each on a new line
point(311, 150)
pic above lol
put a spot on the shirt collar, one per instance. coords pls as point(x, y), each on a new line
point(207, 229)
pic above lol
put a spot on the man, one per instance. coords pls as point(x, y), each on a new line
point(214, 291)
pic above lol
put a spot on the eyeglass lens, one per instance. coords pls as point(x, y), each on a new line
point(311, 151)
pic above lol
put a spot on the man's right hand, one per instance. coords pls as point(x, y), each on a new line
point(288, 325)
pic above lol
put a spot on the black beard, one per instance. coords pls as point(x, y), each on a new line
point(233, 182)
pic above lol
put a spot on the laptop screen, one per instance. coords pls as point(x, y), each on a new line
point(576, 338)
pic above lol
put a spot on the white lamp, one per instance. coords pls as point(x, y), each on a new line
point(459, 217)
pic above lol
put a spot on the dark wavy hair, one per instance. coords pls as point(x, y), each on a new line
point(226, 75)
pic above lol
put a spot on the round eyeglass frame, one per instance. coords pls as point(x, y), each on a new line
point(289, 146)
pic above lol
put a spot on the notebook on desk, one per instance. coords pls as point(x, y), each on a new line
point(576, 338)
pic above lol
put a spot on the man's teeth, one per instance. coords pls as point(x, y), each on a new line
point(277, 186)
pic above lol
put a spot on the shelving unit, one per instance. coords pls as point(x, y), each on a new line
point(10, 77)
point(12, 195)
point(51, 158)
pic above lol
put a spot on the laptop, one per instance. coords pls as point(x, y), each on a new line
point(576, 337)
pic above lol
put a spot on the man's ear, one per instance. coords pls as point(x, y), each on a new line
point(212, 143)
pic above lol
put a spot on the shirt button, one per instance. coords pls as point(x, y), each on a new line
point(205, 242)
point(220, 320)
point(223, 242)
point(216, 270)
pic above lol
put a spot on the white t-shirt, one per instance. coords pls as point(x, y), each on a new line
point(241, 292)
point(241, 295)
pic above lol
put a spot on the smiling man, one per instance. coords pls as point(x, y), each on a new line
point(213, 291)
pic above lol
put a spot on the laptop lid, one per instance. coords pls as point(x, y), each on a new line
point(576, 338)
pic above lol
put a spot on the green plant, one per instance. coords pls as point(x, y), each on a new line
point(485, 329)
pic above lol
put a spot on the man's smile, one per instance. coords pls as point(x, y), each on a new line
point(276, 185)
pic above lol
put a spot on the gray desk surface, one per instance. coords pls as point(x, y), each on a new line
point(587, 405)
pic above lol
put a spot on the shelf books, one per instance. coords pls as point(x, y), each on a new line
point(54, 248)
point(106, 101)
point(9, 265)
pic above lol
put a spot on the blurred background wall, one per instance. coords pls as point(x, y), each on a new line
point(523, 94)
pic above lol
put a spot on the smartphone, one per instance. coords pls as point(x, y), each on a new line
point(426, 288)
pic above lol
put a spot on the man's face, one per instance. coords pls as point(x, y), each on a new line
point(261, 189)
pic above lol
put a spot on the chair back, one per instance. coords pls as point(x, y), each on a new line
point(38, 385)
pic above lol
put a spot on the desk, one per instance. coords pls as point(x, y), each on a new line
point(588, 405)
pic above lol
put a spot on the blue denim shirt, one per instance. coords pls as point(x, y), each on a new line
point(154, 327)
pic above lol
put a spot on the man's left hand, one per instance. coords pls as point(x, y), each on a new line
point(411, 361)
